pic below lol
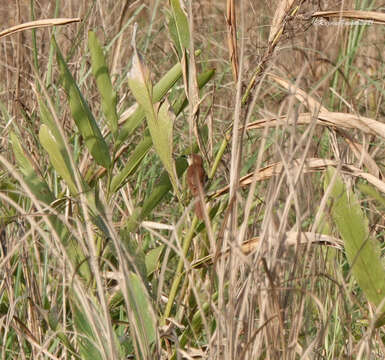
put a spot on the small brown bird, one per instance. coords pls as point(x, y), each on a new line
point(196, 179)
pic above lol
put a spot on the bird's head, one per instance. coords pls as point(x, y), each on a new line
point(195, 159)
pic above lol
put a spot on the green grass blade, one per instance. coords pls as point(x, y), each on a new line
point(142, 311)
point(182, 102)
point(47, 119)
point(158, 193)
point(37, 185)
point(64, 156)
point(103, 82)
point(82, 115)
point(52, 319)
point(136, 157)
point(181, 24)
point(152, 259)
point(162, 137)
point(362, 251)
point(86, 338)
point(57, 159)
point(42, 192)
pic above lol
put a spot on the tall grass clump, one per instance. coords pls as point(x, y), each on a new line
point(102, 255)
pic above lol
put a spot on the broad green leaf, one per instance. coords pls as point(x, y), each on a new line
point(85, 335)
point(66, 166)
point(144, 317)
point(159, 90)
point(136, 157)
point(362, 251)
point(82, 115)
point(57, 159)
point(47, 119)
point(92, 342)
point(103, 82)
point(159, 119)
point(181, 24)
point(144, 146)
point(97, 209)
point(80, 262)
point(161, 131)
point(174, 34)
point(152, 259)
point(36, 184)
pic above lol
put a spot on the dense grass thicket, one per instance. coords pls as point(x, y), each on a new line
point(112, 247)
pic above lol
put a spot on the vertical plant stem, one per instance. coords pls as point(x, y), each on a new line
point(179, 270)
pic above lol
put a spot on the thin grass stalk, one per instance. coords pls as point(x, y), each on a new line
point(179, 270)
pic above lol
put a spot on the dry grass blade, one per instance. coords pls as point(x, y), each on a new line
point(334, 119)
point(350, 121)
point(291, 238)
point(265, 274)
point(275, 169)
point(311, 165)
point(340, 121)
point(232, 37)
point(376, 17)
point(37, 24)
point(279, 16)
point(312, 104)
point(361, 154)
point(352, 170)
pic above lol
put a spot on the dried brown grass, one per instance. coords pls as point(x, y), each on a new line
point(273, 301)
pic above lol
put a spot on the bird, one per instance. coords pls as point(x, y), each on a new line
point(196, 179)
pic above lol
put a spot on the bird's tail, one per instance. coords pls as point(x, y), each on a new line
point(199, 209)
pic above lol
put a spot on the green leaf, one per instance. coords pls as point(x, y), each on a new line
point(52, 319)
point(159, 90)
point(47, 119)
point(82, 115)
point(37, 185)
point(161, 130)
point(152, 259)
point(41, 190)
point(7, 186)
point(144, 317)
point(58, 160)
point(143, 147)
point(86, 337)
point(362, 251)
point(159, 119)
point(103, 82)
point(182, 102)
point(372, 192)
point(135, 159)
point(64, 163)
point(174, 34)
point(181, 24)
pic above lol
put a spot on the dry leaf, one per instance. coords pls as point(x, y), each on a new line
point(38, 24)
